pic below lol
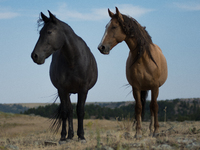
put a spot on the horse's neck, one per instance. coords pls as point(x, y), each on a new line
point(135, 52)
point(132, 44)
point(70, 48)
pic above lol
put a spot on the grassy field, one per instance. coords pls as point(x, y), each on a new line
point(32, 132)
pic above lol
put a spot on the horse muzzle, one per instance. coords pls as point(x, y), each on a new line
point(103, 49)
point(38, 60)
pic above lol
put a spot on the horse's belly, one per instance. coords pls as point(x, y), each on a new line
point(70, 80)
point(141, 79)
point(66, 82)
point(72, 77)
point(140, 82)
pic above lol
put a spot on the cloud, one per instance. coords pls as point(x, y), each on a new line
point(7, 14)
point(133, 11)
point(95, 14)
point(66, 13)
point(188, 6)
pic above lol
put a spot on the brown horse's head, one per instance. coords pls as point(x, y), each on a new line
point(51, 39)
point(114, 33)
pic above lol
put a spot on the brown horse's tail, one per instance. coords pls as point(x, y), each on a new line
point(144, 95)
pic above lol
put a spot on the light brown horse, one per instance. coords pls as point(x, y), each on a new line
point(146, 66)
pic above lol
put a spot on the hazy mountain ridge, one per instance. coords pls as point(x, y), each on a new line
point(21, 107)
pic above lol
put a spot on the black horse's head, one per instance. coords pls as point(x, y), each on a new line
point(51, 39)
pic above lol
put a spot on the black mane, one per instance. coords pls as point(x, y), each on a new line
point(40, 23)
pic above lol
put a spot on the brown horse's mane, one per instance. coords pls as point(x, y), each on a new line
point(134, 30)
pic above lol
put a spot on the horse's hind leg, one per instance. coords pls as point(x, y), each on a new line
point(154, 112)
point(138, 112)
point(70, 120)
point(80, 113)
point(66, 113)
point(144, 95)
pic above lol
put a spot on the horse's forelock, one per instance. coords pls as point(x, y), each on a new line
point(40, 23)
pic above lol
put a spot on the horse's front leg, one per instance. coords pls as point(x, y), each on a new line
point(80, 113)
point(138, 112)
point(154, 112)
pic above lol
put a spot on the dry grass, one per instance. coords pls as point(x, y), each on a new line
point(31, 132)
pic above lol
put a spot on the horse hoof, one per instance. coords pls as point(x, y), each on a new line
point(151, 134)
point(62, 142)
point(83, 141)
point(68, 140)
point(138, 136)
point(156, 134)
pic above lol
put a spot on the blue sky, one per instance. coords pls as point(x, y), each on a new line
point(173, 25)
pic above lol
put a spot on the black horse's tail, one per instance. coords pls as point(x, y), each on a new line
point(56, 118)
point(144, 95)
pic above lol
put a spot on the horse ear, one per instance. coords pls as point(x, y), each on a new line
point(119, 14)
point(52, 17)
point(111, 14)
point(44, 18)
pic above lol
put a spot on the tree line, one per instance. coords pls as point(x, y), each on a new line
point(176, 110)
point(14, 108)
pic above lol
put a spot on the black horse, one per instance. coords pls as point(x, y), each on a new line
point(73, 70)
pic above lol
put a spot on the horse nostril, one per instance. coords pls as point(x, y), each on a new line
point(101, 47)
point(34, 56)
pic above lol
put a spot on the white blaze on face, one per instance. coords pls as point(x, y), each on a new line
point(105, 33)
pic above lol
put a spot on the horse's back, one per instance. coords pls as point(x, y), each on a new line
point(91, 66)
point(162, 64)
point(92, 74)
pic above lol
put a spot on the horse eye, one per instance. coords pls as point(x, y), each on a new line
point(114, 27)
point(49, 32)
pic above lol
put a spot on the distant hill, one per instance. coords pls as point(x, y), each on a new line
point(182, 108)
point(32, 105)
point(176, 110)
point(12, 108)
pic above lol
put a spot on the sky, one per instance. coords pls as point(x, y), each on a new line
point(174, 26)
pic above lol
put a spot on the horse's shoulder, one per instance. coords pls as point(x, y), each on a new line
point(156, 47)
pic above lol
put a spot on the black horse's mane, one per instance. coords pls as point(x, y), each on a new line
point(40, 23)
point(133, 29)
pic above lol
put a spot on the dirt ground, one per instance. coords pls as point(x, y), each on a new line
point(32, 132)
